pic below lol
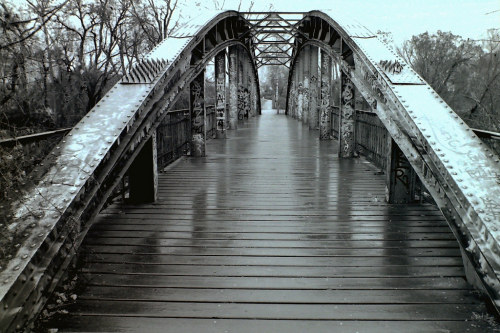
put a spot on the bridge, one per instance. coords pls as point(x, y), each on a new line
point(271, 225)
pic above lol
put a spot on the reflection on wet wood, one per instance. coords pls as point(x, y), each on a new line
point(271, 232)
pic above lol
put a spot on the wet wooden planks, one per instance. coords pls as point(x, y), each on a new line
point(272, 233)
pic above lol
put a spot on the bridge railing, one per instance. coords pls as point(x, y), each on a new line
point(371, 136)
point(492, 139)
point(174, 132)
point(21, 154)
point(173, 137)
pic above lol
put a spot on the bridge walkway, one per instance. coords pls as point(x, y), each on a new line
point(272, 233)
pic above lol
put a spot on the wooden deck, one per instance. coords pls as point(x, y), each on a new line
point(272, 233)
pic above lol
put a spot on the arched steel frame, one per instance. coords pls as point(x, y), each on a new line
point(461, 174)
point(81, 173)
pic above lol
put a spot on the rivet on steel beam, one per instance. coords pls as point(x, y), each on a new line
point(487, 219)
point(470, 194)
point(24, 256)
point(480, 211)
point(16, 268)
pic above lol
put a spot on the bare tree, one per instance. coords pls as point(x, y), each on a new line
point(464, 72)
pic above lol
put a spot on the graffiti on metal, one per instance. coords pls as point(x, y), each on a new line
point(391, 66)
point(347, 118)
point(220, 102)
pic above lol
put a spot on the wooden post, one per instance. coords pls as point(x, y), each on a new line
point(197, 110)
point(326, 81)
point(233, 87)
point(400, 176)
point(143, 174)
point(313, 89)
point(220, 93)
point(307, 72)
point(347, 117)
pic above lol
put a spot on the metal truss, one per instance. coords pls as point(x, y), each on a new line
point(273, 36)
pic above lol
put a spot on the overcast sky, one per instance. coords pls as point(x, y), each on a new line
point(404, 18)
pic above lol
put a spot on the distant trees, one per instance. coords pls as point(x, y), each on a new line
point(466, 73)
point(274, 77)
point(59, 58)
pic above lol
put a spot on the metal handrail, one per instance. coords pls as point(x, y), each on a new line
point(11, 142)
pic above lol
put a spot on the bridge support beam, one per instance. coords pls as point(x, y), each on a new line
point(246, 82)
point(326, 87)
point(295, 92)
point(233, 88)
point(197, 111)
point(306, 59)
point(347, 117)
point(241, 96)
point(143, 174)
point(253, 95)
point(313, 89)
point(400, 179)
point(220, 93)
point(300, 88)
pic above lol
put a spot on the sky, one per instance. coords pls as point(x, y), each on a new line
point(404, 18)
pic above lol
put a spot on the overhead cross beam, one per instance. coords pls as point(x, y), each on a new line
point(273, 35)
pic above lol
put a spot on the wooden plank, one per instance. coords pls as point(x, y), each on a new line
point(270, 260)
point(271, 228)
point(276, 222)
point(282, 296)
point(304, 252)
point(278, 243)
point(273, 271)
point(256, 283)
point(278, 236)
point(272, 311)
point(181, 325)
